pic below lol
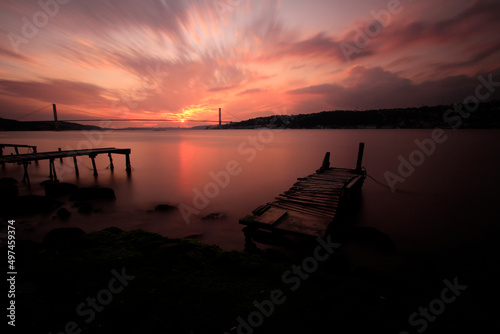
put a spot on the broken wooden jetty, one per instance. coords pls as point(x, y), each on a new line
point(16, 148)
point(26, 159)
point(309, 208)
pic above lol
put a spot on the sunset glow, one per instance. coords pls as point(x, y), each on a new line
point(182, 60)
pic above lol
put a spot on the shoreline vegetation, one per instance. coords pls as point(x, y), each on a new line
point(116, 281)
point(486, 116)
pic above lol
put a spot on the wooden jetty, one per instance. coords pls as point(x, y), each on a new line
point(309, 208)
point(26, 159)
point(16, 147)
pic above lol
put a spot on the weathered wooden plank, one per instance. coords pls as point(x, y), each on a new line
point(271, 216)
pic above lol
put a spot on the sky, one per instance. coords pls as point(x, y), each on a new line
point(182, 60)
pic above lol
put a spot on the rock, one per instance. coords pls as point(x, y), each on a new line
point(164, 208)
point(84, 208)
point(8, 188)
point(63, 213)
point(58, 189)
point(28, 205)
point(216, 215)
point(93, 193)
point(63, 238)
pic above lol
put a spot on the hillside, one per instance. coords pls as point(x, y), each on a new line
point(12, 125)
point(487, 116)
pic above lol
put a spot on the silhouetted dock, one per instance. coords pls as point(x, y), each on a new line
point(309, 208)
point(26, 159)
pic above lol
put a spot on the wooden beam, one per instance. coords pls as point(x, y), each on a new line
point(75, 162)
point(111, 167)
point(360, 155)
point(92, 157)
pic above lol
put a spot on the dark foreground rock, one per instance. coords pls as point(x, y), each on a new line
point(140, 282)
point(8, 188)
point(58, 189)
point(28, 205)
point(93, 193)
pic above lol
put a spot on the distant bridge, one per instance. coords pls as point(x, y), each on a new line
point(180, 120)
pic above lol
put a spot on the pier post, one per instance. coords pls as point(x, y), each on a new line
point(128, 168)
point(75, 162)
point(360, 156)
point(60, 159)
point(1, 154)
point(326, 161)
point(111, 167)
point(34, 152)
point(92, 157)
point(52, 167)
point(16, 149)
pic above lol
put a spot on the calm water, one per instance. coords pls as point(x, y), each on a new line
point(450, 200)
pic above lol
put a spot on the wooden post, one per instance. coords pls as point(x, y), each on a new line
point(1, 154)
point(111, 167)
point(26, 177)
point(51, 161)
point(16, 149)
point(53, 174)
point(93, 164)
point(326, 162)
point(76, 166)
point(360, 155)
point(128, 168)
point(34, 151)
point(60, 159)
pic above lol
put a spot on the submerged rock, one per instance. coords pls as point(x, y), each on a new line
point(216, 215)
point(8, 188)
point(93, 193)
point(63, 238)
point(164, 208)
point(29, 205)
point(58, 189)
point(63, 213)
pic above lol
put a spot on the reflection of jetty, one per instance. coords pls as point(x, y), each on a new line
point(26, 159)
point(309, 208)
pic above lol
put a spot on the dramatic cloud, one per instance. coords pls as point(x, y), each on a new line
point(185, 59)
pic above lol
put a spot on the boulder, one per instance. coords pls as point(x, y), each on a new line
point(28, 205)
point(216, 215)
point(58, 189)
point(164, 208)
point(8, 188)
point(61, 238)
point(63, 213)
point(93, 193)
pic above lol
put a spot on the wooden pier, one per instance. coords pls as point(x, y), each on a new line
point(309, 208)
point(16, 147)
point(26, 159)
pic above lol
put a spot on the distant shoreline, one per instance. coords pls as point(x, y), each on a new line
point(484, 116)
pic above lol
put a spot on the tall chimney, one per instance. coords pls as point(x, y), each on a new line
point(220, 117)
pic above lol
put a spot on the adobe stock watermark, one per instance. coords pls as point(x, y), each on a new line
point(126, 103)
point(372, 29)
point(222, 7)
point(248, 149)
point(420, 320)
point(293, 278)
point(30, 27)
point(427, 147)
point(92, 305)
